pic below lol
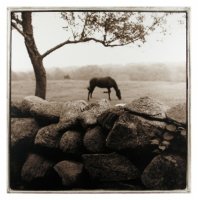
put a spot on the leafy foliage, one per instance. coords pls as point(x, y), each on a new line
point(111, 28)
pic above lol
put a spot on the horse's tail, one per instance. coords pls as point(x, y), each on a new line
point(88, 88)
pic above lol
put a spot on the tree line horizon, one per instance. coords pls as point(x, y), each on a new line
point(130, 72)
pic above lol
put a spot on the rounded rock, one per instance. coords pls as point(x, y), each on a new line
point(165, 172)
point(94, 140)
point(71, 142)
point(23, 130)
point(69, 171)
point(35, 167)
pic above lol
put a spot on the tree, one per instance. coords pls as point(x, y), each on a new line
point(110, 29)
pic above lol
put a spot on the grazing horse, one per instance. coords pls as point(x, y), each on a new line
point(105, 82)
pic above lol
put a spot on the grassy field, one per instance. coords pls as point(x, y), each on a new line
point(171, 93)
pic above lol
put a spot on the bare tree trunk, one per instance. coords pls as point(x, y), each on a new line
point(35, 57)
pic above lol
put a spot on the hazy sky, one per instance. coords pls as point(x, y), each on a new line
point(48, 32)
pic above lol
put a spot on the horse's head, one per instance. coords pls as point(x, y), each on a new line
point(118, 94)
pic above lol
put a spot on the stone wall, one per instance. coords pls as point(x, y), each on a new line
point(80, 146)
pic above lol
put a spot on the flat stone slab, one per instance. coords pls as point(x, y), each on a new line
point(147, 106)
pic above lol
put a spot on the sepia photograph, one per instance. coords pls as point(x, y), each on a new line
point(98, 100)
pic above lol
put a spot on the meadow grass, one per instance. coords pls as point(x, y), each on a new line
point(170, 93)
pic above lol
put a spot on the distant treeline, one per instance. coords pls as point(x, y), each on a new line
point(133, 72)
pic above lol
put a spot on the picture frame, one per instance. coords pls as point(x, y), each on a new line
point(171, 124)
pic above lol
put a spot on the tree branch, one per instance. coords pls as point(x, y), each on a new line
point(82, 41)
point(18, 29)
point(85, 24)
point(70, 42)
point(57, 47)
point(18, 21)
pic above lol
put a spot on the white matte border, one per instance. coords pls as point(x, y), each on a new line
point(95, 3)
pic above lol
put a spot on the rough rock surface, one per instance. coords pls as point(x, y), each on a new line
point(30, 101)
point(109, 116)
point(17, 111)
point(165, 172)
point(95, 140)
point(147, 106)
point(47, 112)
point(35, 167)
point(89, 116)
point(23, 130)
point(131, 132)
point(177, 113)
point(70, 172)
point(48, 136)
point(71, 110)
point(110, 167)
point(71, 142)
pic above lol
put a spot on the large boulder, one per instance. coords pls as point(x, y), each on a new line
point(69, 171)
point(148, 107)
point(165, 172)
point(71, 110)
point(134, 132)
point(109, 116)
point(48, 136)
point(46, 113)
point(89, 116)
point(69, 114)
point(177, 113)
point(23, 131)
point(30, 101)
point(110, 167)
point(95, 140)
point(35, 167)
point(71, 142)
point(22, 134)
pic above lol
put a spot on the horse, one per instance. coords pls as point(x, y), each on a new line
point(104, 82)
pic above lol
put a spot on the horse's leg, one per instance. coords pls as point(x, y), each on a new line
point(109, 91)
point(92, 92)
